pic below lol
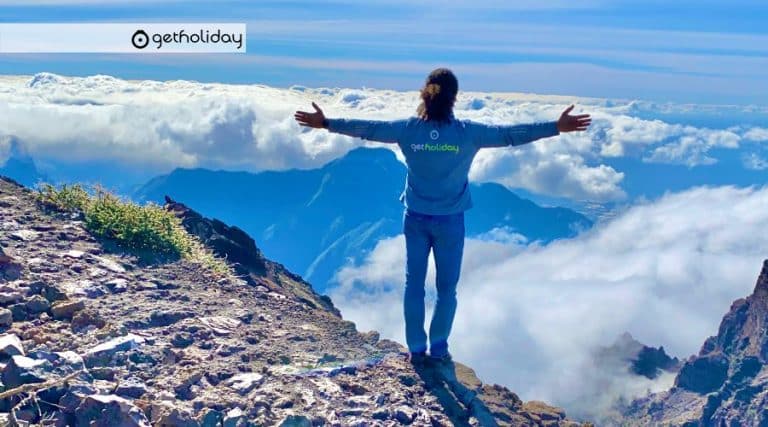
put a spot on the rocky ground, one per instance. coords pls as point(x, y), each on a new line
point(92, 336)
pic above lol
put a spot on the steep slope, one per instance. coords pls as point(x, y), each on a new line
point(727, 382)
point(107, 340)
point(316, 220)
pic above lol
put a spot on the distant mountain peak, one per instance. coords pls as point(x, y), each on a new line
point(637, 357)
point(367, 154)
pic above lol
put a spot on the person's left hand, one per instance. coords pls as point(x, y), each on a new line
point(568, 123)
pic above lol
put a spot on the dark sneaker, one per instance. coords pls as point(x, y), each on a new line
point(418, 357)
point(441, 358)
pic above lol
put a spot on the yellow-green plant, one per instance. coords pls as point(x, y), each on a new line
point(68, 198)
point(140, 229)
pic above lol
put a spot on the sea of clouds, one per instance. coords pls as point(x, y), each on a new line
point(531, 316)
point(157, 126)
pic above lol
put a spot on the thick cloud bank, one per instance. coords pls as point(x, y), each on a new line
point(529, 317)
point(161, 125)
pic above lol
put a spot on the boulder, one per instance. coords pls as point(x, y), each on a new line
point(101, 354)
point(18, 312)
point(109, 410)
point(109, 264)
point(37, 304)
point(132, 387)
point(24, 235)
point(9, 268)
point(25, 370)
point(10, 296)
point(47, 291)
point(4, 258)
point(182, 340)
point(168, 317)
point(404, 414)
point(10, 345)
point(245, 382)
point(74, 397)
point(62, 362)
point(177, 418)
point(6, 317)
point(75, 254)
point(117, 286)
point(66, 309)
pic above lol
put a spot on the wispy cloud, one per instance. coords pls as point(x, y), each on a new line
point(753, 161)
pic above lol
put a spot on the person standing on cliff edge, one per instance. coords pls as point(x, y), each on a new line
point(438, 151)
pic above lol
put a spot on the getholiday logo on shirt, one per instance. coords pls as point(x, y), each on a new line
point(435, 147)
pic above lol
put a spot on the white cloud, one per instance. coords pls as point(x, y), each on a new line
point(5, 149)
point(753, 161)
point(157, 126)
point(756, 134)
point(692, 147)
point(529, 317)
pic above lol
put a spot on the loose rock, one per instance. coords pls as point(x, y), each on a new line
point(66, 309)
point(245, 382)
point(109, 410)
point(10, 345)
point(37, 304)
point(6, 317)
point(24, 370)
point(103, 353)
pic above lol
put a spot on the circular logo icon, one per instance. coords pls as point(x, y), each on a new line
point(140, 39)
point(434, 134)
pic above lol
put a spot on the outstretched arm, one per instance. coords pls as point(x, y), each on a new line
point(373, 130)
point(500, 136)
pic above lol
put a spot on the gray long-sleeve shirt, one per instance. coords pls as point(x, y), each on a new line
point(438, 156)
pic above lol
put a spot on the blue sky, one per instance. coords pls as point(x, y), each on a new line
point(683, 51)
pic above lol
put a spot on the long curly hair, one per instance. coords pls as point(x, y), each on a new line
point(438, 96)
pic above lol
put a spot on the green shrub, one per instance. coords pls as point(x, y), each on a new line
point(68, 198)
point(147, 229)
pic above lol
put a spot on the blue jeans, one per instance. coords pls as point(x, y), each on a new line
point(444, 235)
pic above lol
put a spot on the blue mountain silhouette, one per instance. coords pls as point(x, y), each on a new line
point(314, 221)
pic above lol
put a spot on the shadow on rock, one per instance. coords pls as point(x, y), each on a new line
point(456, 388)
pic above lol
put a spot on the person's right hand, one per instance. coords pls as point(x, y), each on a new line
point(313, 120)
